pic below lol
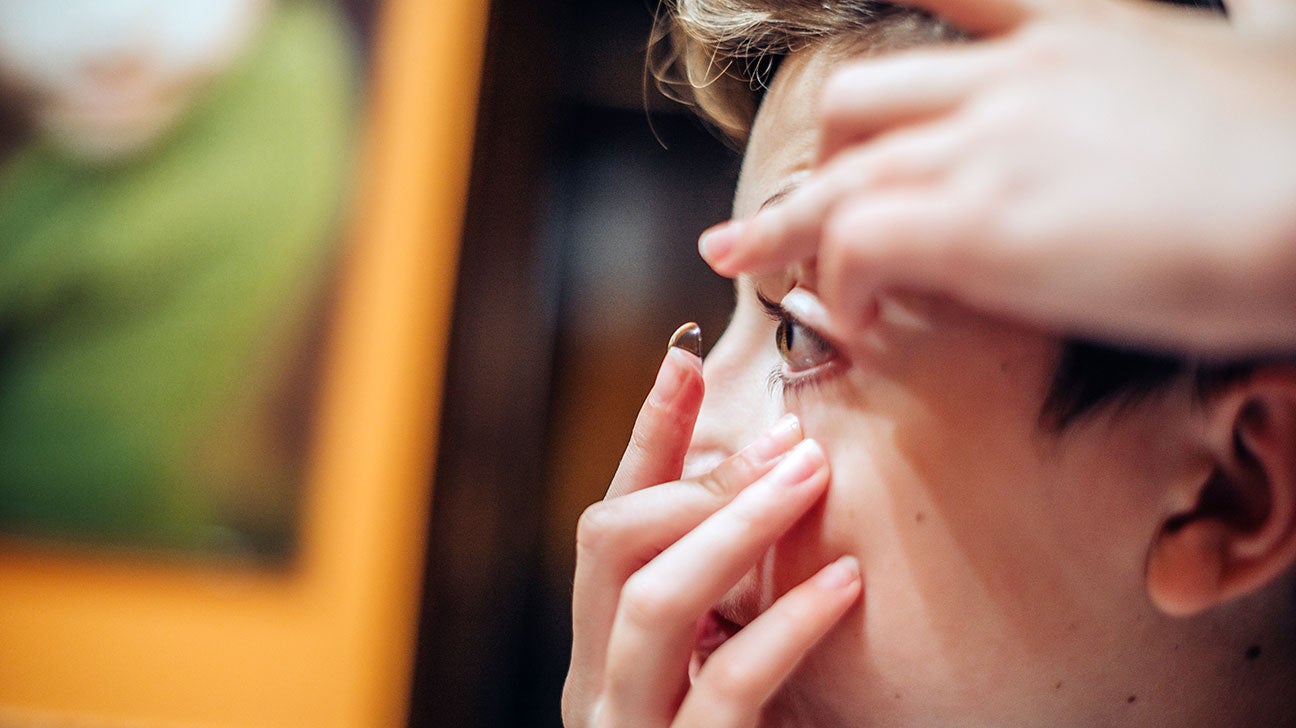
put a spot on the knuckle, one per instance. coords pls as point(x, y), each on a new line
point(728, 477)
point(570, 705)
point(655, 419)
point(641, 437)
point(845, 173)
point(603, 719)
point(597, 526)
point(648, 601)
point(845, 92)
point(977, 214)
point(583, 708)
point(729, 681)
point(851, 234)
point(794, 616)
point(639, 443)
point(755, 515)
point(879, 165)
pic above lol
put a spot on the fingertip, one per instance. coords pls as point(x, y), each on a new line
point(716, 245)
point(679, 376)
point(842, 574)
point(760, 244)
point(803, 467)
point(690, 363)
point(776, 441)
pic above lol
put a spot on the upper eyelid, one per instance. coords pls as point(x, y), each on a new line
point(777, 313)
point(772, 308)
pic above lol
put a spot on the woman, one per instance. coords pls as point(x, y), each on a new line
point(935, 517)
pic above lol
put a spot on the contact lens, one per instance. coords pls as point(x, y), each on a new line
point(688, 337)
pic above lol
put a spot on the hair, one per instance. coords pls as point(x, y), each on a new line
point(719, 56)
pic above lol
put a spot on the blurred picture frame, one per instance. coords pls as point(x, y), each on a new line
point(102, 638)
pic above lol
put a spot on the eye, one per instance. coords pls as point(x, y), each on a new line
point(801, 348)
point(806, 355)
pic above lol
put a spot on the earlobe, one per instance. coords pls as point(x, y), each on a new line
point(1186, 567)
point(1240, 533)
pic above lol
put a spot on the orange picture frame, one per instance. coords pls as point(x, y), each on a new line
point(101, 641)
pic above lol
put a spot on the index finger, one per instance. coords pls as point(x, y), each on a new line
point(779, 235)
point(792, 229)
point(664, 427)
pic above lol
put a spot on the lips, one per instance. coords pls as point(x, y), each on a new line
point(713, 630)
point(735, 610)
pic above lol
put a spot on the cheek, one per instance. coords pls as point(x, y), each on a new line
point(940, 435)
point(738, 405)
point(940, 480)
point(989, 552)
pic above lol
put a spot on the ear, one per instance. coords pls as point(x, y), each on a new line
point(1239, 533)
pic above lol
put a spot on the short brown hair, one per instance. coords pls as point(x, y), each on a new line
point(720, 55)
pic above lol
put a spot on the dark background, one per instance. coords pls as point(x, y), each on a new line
point(579, 259)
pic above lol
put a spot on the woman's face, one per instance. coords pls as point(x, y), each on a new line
point(1003, 563)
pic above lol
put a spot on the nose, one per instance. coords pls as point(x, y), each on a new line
point(738, 404)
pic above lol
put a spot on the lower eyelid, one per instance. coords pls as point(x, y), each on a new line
point(779, 383)
point(775, 382)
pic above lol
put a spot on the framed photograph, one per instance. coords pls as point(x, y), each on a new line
point(264, 568)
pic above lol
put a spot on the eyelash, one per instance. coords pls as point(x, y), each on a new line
point(778, 381)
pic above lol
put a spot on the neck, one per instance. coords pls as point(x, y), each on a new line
point(1238, 668)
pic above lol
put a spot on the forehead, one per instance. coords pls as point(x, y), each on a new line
point(783, 143)
point(784, 138)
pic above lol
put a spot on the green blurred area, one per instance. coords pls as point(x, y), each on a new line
point(155, 313)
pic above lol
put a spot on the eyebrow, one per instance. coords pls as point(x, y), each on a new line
point(782, 193)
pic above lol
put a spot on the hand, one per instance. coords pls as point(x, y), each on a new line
point(1114, 169)
point(653, 558)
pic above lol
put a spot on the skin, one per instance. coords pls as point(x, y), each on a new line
point(1169, 222)
point(987, 571)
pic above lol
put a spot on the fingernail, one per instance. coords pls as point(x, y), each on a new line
point(776, 440)
point(688, 337)
point(717, 242)
point(670, 378)
point(801, 464)
point(841, 573)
